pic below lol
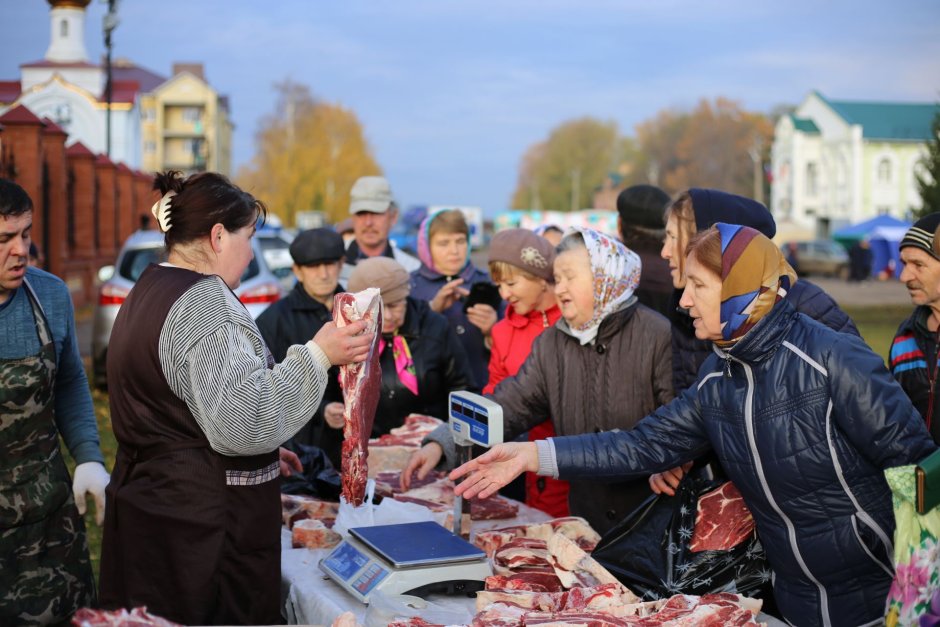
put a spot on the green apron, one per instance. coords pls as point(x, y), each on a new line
point(45, 571)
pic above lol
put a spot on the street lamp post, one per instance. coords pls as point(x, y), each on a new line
point(110, 22)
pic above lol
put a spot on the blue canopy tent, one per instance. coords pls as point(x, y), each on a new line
point(883, 233)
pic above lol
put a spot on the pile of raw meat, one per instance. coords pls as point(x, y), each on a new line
point(436, 492)
point(545, 576)
point(310, 521)
point(391, 451)
point(137, 617)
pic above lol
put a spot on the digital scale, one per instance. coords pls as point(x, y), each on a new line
point(474, 419)
point(422, 558)
point(415, 558)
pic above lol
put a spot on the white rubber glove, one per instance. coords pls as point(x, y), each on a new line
point(90, 477)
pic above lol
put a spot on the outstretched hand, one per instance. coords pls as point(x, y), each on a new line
point(421, 461)
point(288, 462)
point(489, 472)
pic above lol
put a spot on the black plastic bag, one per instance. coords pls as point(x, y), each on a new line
point(318, 479)
point(648, 551)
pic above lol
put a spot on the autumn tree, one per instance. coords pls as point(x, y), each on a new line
point(717, 144)
point(562, 172)
point(928, 175)
point(308, 154)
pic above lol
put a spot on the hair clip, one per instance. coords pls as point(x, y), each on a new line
point(161, 211)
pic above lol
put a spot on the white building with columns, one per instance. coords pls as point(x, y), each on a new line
point(70, 90)
point(839, 162)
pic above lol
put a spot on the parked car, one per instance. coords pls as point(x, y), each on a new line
point(259, 287)
point(818, 257)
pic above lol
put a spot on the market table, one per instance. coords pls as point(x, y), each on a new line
point(313, 599)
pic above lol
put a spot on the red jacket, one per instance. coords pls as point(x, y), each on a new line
point(512, 342)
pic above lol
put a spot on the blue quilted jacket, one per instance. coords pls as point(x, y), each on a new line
point(804, 420)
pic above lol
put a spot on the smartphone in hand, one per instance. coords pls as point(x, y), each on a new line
point(484, 293)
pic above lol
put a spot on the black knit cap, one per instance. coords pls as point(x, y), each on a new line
point(317, 246)
point(643, 206)
point(921, 235)
point(712, 206)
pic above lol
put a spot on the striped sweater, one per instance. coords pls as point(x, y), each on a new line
point(213, 357)
point(914, 364)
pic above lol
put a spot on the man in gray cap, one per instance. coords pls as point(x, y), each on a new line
point(373, 214)
point(296, 318)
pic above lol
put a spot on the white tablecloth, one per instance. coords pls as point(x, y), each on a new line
point(313, 599)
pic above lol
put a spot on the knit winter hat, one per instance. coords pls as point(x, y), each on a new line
point(921, 235)
point(384, 273)
point(712, 206)
point(525, 250)
point(643, 206)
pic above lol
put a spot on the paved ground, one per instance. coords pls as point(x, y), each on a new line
point(866, 293)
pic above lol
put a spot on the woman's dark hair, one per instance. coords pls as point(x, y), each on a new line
point(14, 201)
point(204, 200)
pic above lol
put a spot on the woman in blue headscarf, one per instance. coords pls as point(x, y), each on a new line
point(803, 419)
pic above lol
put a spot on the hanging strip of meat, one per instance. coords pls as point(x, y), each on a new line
point(361, 385)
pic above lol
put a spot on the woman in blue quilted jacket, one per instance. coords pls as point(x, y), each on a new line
point(803, 419)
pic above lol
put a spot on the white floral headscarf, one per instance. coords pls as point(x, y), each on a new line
point(616, 271)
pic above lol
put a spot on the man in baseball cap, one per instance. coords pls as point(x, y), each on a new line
point(296, 318)
point(914, 351)
point(374, 213)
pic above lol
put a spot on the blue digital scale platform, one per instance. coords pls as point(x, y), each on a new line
point(416, 558)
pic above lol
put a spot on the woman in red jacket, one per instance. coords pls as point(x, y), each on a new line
point(521, 266)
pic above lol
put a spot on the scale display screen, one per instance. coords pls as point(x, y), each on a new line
point(470, 412)
point(347, 560)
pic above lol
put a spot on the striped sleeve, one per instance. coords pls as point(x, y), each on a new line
point(214, 359)
point(905, 354)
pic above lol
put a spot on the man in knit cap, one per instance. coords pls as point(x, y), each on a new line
point(915, 349)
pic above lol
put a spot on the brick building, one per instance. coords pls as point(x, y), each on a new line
point(85, 205)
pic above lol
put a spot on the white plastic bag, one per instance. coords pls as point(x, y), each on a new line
point(388, 512)
point(385, 608)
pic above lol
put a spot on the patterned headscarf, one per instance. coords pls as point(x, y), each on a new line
point(754, 277)
point(616, 271)
point(424, 244)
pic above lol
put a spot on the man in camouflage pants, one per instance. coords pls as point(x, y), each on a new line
point(45, 570)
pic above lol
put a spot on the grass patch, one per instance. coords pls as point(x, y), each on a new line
point(879, 324)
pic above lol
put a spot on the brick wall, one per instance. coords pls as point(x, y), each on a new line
point(84, 206)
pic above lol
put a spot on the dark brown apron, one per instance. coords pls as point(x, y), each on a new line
point(45, 571)
point(191, 534)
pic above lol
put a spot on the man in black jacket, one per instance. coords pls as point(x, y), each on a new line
point(915, 349)
point(295, 319)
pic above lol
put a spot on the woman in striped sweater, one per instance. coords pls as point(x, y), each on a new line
point(199, 408)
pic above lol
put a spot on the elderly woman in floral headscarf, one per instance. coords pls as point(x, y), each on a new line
point(803, 419)
point(604, 365)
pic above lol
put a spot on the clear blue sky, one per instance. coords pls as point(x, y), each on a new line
point(452, 93)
